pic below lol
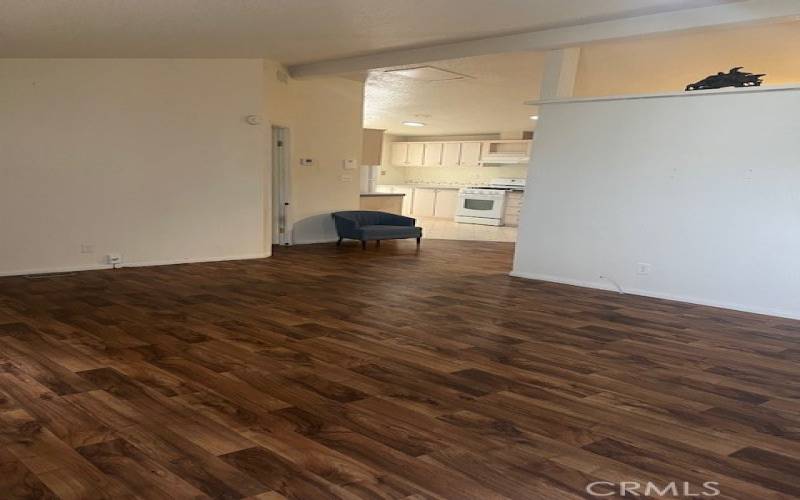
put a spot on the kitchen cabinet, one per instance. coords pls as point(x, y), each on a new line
point(446, 203)
point(424, 204)
point(372, 146)
point(408, 191)
point(432, 157)
point(400, 154)
point(470, 154)
point(451, 154)
point(416, 150)
point(408, 199)
point(513, 207)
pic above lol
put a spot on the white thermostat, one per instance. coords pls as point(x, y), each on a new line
point(253, 119)
point(349, 164)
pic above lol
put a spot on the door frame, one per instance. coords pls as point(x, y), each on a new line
point(281, 186)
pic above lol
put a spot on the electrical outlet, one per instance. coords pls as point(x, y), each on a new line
point(85, 248)
point(643, 269)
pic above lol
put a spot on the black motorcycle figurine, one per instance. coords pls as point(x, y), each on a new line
point(733, 78)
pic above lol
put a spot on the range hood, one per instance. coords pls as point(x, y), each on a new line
point(504, 158)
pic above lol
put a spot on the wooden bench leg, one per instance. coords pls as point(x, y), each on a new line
point(363, 244)
point(339, 243)
point(378, 243)
point(418, 240)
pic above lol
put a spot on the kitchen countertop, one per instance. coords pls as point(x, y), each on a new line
point(383, 194)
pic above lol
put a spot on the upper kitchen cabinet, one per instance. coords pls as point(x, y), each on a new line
point(432, 157)
point(451, 154)
point(400, 154)
point(470, 154)
point(416, 150)
point(372, 147)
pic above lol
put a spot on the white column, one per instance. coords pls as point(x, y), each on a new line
point(560, 70)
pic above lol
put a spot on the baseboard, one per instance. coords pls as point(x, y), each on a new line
point(779, 313)
point(53, 270)
point(97, 267)
point(312, 242)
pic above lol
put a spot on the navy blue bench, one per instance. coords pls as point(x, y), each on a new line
point(367, 225)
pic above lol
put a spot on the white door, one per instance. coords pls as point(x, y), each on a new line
point(424, 202)
point(433, 154)
point(470, 154)
point(400, 154)
point(446, 203)
point(451, 154)
point(415, 152)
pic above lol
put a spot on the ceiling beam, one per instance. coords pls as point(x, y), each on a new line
point(727, 14)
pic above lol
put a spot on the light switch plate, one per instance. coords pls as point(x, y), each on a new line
point(349, 164)
point(306, 162)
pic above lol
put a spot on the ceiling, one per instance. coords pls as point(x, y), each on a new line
point(290, 31)
point(490, 100)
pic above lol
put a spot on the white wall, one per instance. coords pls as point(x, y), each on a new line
point(706, 189)
point(149, 158)
point(324, 116)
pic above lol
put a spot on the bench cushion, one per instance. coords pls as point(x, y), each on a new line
point(383, 232)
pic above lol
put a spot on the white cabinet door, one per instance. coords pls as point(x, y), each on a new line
point(407, 199)
point(424, 202)
point(446, 202)
point(415, 152)
point(433, 154)
point(400, 154)
point(470, 154)
point(451, 154)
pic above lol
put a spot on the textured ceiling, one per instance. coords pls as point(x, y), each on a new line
point(488, 102)
point(290, 31)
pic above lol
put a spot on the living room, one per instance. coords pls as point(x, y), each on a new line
point(177, 319)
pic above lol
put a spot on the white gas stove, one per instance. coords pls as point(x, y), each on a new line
point(485, 205)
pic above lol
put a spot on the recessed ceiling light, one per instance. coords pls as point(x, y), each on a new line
point(534, 117)
point(414, 124)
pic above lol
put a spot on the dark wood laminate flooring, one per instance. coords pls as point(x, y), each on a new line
point(329, 372)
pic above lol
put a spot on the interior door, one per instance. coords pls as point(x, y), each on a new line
point(433, 154)
point(470, 154)
point(451, 154)
point(416, 150)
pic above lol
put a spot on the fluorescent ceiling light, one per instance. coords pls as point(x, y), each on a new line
point(414, 124)
point(534, 117)
point(427, 74)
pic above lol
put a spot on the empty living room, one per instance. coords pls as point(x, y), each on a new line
point(373, 249)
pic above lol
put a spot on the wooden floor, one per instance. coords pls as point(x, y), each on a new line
point(342, 373)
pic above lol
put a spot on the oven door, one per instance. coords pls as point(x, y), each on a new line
point(488, 206)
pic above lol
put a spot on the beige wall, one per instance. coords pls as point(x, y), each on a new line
point(324, 116)
point(152, 159)
point(669, 63)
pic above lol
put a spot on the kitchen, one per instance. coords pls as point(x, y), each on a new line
point(457, 187)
